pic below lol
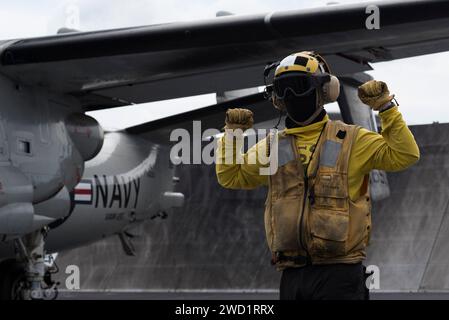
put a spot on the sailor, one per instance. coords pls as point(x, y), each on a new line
point(318, 207)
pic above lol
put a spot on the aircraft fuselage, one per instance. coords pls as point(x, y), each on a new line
point(59, 169)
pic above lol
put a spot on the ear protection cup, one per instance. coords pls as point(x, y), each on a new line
point(331, 90)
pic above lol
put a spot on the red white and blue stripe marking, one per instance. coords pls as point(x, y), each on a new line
point(83, 192)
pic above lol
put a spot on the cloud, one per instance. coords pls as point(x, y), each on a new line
point(21, 22)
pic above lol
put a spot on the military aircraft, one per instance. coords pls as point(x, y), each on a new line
point(65, 182)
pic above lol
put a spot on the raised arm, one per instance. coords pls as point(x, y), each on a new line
point(395, 148)
point(236, 170)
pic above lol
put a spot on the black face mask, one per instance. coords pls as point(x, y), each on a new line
point(300, 109)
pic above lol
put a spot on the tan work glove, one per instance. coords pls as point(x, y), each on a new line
point(375, 94)
point(239, 118)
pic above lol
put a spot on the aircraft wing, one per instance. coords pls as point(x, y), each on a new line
point(210, 116)
point(110, 68)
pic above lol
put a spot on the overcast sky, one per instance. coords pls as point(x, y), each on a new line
point(420, 83)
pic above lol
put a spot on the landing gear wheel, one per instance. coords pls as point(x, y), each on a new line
point(12, 280)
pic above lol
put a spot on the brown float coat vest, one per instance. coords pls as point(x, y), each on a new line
point(310, 219)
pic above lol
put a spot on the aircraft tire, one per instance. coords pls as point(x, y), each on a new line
point(11, 277)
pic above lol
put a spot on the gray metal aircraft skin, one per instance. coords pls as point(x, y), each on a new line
point(47, 182)
point(125, 183)
point(64, 182)
point(121, 187)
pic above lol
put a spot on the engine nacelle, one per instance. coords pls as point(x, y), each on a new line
point(86, 133)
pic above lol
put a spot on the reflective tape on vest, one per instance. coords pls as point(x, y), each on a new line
point(330, 153)
point(285, 151)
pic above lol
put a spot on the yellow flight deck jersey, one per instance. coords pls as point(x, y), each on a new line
point(392, 150)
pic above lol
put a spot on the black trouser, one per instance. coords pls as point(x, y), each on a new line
point(324, 282)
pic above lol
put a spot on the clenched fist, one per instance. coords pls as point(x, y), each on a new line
point(375, 94)
point(239, 118)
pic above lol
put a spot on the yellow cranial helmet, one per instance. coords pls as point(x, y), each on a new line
point(300, 62)
point(300, 73)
